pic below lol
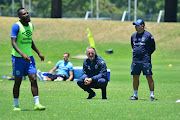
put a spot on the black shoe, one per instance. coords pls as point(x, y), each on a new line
point(133, 98)
point(104, 93)
point(91, 95)
point(151, 98)
point(104, 98)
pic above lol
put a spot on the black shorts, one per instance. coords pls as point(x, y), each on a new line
point(53, 77)
point(146, 68)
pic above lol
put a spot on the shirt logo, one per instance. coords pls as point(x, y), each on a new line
point(17, 72)
point(96, 66)
point(27, 33)
point(102, 62)
point(89, 68)
point(139, 43)
point(143, 38)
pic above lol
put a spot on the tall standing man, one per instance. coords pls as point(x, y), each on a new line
point(23, 63)
point(94, 74)
point(143, 46)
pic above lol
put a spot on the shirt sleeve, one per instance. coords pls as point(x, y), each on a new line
point(152, 44)
point(84, 71)
point(71, 68)
point(14, 31)
point(58, 63)
point(102, 73)
point(132, 45)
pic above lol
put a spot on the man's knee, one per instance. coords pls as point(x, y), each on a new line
point(17, 82)
point(103, 82)
point(33, 79)
point(17, 85)
point(80, 82)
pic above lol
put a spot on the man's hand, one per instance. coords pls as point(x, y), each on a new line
point(87, 81)
point(26, 58)
point(42, 57)
point(68, 80)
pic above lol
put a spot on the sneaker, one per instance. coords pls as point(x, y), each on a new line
point(59, 79)
point(104, 98)
point(151, 98)
point(39, 75)
point(17, 108)
point(133, 98)
point(39, 107)
point(91, 95)
point(178, 101)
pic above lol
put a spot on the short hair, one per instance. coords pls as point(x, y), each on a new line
point(67, 53)
point(19, 10)
point(91, 48)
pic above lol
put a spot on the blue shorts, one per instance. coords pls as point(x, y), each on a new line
point(136, 68)
point(12, 59)
point(22, 67)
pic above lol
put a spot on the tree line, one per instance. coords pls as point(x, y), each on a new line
point(43, 8)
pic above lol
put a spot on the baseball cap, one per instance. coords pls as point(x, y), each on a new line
point(139, 22)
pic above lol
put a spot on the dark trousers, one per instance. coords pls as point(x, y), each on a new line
point(100, 84)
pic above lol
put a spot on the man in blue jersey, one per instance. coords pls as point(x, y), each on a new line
point(143, 46)
point(23, 62)
point(65, 71)
point(94, 74)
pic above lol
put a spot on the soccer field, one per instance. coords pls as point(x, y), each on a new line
point(65, 100)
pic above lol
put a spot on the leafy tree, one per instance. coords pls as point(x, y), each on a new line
point(78, 8)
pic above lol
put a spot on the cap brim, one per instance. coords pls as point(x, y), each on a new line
point(134, 23)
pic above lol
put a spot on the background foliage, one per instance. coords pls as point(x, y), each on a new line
point(78, 8)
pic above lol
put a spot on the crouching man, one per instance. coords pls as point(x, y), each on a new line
point(94, 74)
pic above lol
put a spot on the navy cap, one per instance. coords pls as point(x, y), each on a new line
point(139, 22)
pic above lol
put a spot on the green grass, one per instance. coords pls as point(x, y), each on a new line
point(65, 100)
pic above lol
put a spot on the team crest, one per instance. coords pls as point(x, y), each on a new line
point(17, 72)
point(143, 38)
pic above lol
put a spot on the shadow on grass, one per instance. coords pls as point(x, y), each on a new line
point(147, 99)
point(31, 110)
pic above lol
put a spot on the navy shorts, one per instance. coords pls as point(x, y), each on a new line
point(22, 67)
point(136, 68)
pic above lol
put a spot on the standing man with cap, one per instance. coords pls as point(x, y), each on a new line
point(23, 62)
point(143, 45)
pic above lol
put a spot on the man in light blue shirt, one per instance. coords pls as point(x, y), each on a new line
point(65, 71)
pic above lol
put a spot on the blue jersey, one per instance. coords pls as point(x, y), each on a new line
point(64, 68)
point(94, 70)
point(143, 46)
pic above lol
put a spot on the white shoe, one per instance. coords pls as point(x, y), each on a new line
point(178, 101)
point(39, 75)
point(59, 79)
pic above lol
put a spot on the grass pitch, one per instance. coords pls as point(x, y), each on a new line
point(65, 100)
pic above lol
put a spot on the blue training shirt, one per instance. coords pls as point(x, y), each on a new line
point(95, 70)
point(143, 46)
point(64, 68)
